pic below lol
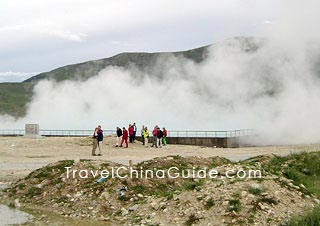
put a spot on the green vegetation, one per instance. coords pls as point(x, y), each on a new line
point(33, 191)
point(193, 219)
point(311, 218)
point(255, 191)
point(15, 96)
point(209, 203)
point(303, 168)
point(234, 205)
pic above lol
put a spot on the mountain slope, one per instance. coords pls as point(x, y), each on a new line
point(15, 96)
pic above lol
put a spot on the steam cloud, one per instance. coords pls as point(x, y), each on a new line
point(273, 89)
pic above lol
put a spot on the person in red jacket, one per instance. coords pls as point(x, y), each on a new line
point(124, 137)
point(165, 134)
point(131, 133)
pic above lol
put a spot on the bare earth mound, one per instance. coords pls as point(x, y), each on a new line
point(269, 200)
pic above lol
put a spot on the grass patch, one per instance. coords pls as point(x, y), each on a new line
point(193, 185)
point(255, 191)
point(209, 203)
point(193, 219)
point(234, 205)
point(311, 218)
point(33, 191)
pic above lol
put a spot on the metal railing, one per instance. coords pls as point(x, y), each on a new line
point(173, 133)
point(229, 133)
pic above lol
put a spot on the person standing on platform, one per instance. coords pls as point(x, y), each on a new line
point(142, 134)
point(134, 131)
point(154, 134)
point(95, 141)
point(165, 134)
point(124, 137)
point(159, 137)
point(145, 137)
point(100, 139)
point(130, 129)
point(119, 135)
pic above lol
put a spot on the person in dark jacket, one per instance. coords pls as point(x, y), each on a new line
point(134, 131)
point(119, 135)
point(100, 139)
point(159, 137)
point(124, 137)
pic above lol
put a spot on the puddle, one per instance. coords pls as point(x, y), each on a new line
point(10, 216)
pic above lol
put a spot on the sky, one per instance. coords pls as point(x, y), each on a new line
point(40, 35)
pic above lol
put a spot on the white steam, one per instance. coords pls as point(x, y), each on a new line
point(274, 89)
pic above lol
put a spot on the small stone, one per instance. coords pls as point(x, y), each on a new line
point(225, 203)
point(244, 194)
point(133, 208)
point(105, 195)
point(17, 203)
point(124, 212)
point(154, 206)
point(140, 195)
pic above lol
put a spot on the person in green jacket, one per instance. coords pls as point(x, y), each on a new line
point(146, 136)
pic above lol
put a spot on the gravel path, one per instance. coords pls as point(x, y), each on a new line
point(19, 156)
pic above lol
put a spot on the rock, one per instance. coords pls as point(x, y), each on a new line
point(264, 194)
point(317, 201)
point(133, 208)
point(244, 194)
point(165, 210)
point(225, 203)
point(124, 212)
point(140, 195)
point(154, 205)
point(302, 186)
point(250, 196)
point(105, 195)
point(262, 207)
point(17, 203)
point(162, 205)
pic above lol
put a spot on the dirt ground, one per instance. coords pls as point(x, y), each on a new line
point(19, 156)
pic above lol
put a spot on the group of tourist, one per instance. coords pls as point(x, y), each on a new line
point(159, 137)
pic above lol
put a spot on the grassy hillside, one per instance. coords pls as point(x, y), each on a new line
point(15, 96)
